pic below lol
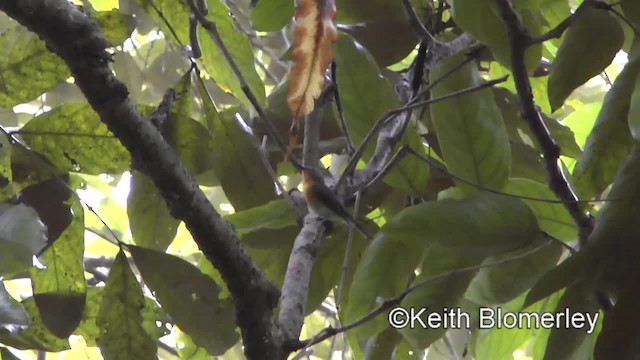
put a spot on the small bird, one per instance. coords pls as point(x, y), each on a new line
point(324, 202)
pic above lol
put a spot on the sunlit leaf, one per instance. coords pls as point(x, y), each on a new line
point(271, 15)
point(122, 334)
point(27, 67)
point(72, 137)
point(60, 289)
point(593, 32)
point(609, 141)
point(151, 224)
point(190, 298)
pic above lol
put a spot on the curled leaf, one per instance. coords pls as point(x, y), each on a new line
point(315, 34)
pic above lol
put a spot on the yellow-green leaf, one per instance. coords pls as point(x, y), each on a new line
point(591, 42)
point(470, 128)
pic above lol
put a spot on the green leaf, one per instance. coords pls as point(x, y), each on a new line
point(12, 313)
point(590, 44)
point(328, 269)
point(154, 320)
point(484, 224)
point(470, 128)
point(609, 141)
point(243, 177)
point(190, 298)
point(120, 318)
point(366, 97)
point(271, 15)
point(557, 278)
point(28, 68)
point(481, 19)
point(496, 285)
point(564, 341)
point(389, 40)
point(173, 18)
point(151, 224)
point(274, 215)
point(36, 336)
point(60, 289)
point(22, 235)
point(5, 354)
point(552, 216)
point(73, 138)
point(116, 25)
point(385, 269)
point(438, 295)
point(518, 129)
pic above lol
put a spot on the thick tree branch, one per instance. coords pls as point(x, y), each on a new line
point(295, 289)
point(520, 40)
point(80, 43)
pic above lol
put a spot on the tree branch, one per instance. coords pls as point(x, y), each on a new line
point(295, 289)
point(79, 41)
point(520, 39)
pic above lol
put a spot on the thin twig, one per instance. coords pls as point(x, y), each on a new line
point(396, 301)
point(213, 31)
point(347, 253)
point(264, 156)
point(416, 23)
point(336, 98)
point(355, 157)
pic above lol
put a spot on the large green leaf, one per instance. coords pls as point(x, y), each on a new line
point(481, 19)
point(173, 18)
point(190, 297)
point(470, 128)
point(72, 137)
point(151, 224)
point(274, 215)
point(496, 285)
point(518, 129)
point(552, 215)
point(384, 271)
point(154, 320)
point(116, 26)
point(366, 97)
point(592, 41)
point(27, 67)
point(60, 289)
point(484, 224)
point(243, 177)
point(271, 15)
point(439, 295)
point(120, 317)
point(609, 141)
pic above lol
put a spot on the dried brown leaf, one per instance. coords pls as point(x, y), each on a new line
point(315, 34)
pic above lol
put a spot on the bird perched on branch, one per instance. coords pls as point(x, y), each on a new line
point(324, 202)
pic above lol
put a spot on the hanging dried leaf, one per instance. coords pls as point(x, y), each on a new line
point(315, 34)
